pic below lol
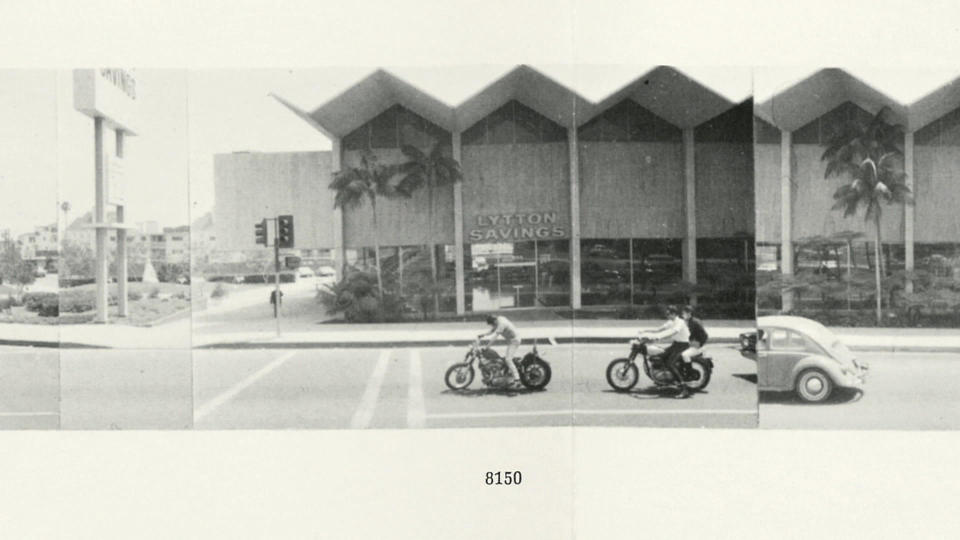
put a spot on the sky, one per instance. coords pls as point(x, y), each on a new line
point(186, 117)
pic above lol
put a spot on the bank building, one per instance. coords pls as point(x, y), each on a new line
point(641, 198)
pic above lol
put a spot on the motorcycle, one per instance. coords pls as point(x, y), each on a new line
point(623, 374)
point(534, 370)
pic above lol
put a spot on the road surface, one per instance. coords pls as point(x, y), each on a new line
point(29, 388)
point(125, 389)
point(403, 387)
point(902, 391)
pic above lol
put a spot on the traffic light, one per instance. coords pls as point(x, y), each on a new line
point(260, 231)
point(285, 231)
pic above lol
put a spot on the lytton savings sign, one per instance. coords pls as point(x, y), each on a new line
point(512, 227)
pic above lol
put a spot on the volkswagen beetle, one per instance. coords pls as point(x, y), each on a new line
point(803, 356)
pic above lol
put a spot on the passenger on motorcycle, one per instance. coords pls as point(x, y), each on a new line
point(676, 330)
point(501, 326)
point(698, 336)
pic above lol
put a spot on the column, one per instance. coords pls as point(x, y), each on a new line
point(122, 285)
point(908, 208)
point(786, 219)
point(458, 229)
point(99, 218)
point(574, 217)
point(690, 209)
point(339, 246)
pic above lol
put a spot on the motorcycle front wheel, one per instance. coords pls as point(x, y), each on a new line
point(535, 374)
point(622, 374)
point(459, 376)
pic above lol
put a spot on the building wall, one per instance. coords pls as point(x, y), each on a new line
point(253, 186)
point(936, 179)
point(766, 160)
point(631, 190)
point(515, 179)
point(724, 190)
point(402, 222)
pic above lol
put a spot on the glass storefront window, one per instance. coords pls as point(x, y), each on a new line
point(517, 275)
point(638, 271)
point(605, 272)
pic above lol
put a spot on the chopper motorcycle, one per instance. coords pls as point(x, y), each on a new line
point(534, 370)
point(623, 374)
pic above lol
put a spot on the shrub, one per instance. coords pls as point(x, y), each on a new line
point(134, 295)
point(49, 307)
point(155, 292)
point(219, 291)
point(357, 297)
point(33, 300)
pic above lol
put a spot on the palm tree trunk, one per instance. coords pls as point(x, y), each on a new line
point(376, 246)
point(849, 270)
point(877, 250)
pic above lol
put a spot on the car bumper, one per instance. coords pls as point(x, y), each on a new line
point(855, 378)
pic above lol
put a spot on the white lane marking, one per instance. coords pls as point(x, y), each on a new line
point(590, 411)
point(552, 341)
point(368, 403)
point(416, 411)
point(204, 410)
point(4, 414)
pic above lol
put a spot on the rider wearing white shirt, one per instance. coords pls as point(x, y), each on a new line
point(677, 331)
point(501, 326)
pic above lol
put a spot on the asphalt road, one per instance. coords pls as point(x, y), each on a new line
point(902, 391)
point(125, 389)
point(403, 387)
point(29, 388)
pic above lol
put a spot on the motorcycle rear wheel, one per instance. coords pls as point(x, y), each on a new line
point(459, 376)
point(536, 374)
point(622, 374)
point(705, 372)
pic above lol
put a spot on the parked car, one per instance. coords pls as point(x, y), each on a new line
point(305, 272)
point(326, 277)
point(802, 356)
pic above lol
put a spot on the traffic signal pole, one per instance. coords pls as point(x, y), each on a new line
point(276, 267)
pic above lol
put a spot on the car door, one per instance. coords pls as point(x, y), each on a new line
point(783, 349)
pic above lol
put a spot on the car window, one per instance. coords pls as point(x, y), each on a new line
point(784, 340)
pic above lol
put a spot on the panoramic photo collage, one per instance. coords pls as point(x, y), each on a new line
point(479, 246)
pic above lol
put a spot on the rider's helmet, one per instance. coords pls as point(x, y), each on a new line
point(491, 320)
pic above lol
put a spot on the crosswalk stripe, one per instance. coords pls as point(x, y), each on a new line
point(416, 411)
point(368, 403)
point(215, 403)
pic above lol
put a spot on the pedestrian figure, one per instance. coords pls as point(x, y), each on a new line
point(273, 297)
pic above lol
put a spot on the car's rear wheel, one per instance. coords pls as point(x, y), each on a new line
point(814, 386)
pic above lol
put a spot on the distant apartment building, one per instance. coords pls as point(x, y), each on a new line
point(146, 240)
point(40, 245)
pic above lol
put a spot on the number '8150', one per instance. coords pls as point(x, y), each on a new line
point(505, 478)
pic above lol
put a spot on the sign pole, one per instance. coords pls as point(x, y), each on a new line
point(99, 219)
point(276, 265)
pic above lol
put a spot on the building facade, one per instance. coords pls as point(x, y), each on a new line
point(564, 202)
point(797, 229)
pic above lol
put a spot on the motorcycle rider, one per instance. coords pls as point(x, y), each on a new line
point(677, 331)
point(698, 336)
point(501, 326)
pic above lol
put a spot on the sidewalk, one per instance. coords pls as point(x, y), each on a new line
point(178, 335)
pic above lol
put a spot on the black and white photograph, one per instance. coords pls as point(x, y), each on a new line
point(471, 246)
point(858, 248)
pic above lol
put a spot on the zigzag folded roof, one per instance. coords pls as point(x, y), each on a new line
point(670, 94)
point(822, 91)
point(664, 90)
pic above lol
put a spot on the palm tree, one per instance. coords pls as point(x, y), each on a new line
point(432, 170)
point(368, 181)
point(65, 206)
point(871, 155)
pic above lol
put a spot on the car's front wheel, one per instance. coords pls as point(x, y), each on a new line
point(814, 386)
